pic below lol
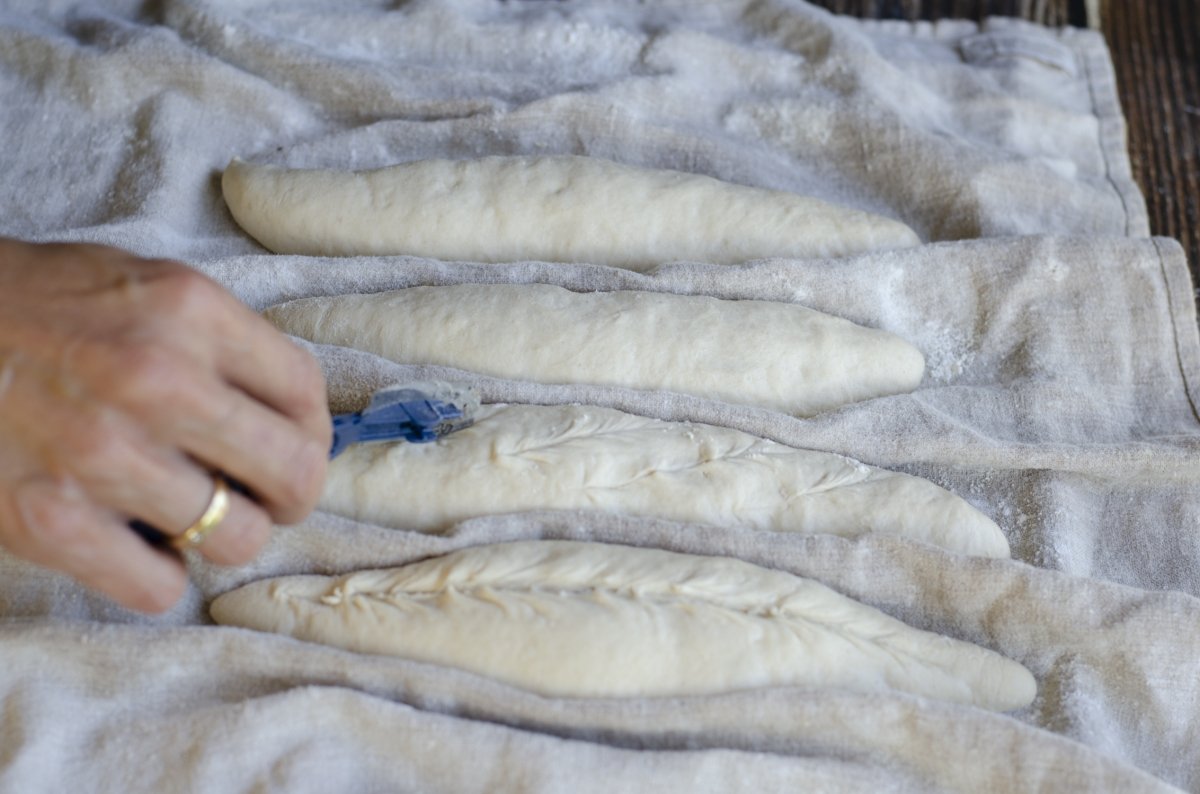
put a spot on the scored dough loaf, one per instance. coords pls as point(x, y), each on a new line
point(554, 209)
point(774, 355)
point(532, 457)
point(574, 619)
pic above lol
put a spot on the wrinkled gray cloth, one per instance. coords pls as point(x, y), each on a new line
point(1059, 397)
point(123, 121)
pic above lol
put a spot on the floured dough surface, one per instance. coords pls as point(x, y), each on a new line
point(596, 620)
point(774, 355)
point(554, 209)
point(531, 457)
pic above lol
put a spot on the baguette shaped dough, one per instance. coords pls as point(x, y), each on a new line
point(554, 209)
point(533, 457)
point(774, 355)
point(573, 619)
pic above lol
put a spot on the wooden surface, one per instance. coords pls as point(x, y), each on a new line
point(1156, 51)
point(1155, 47)
point(1047, 12)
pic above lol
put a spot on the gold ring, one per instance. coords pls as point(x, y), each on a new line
point(214, 514)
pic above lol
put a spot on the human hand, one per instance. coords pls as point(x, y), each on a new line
point(124, 383)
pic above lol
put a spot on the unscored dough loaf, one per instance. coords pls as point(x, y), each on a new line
point(774, 355)
point(577, 619)
point(555, 209)
point(533, 457)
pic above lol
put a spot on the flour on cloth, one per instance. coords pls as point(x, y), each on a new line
point(1086, 675)
point(1087, 490)
point(123, 123)
point(1059, 395)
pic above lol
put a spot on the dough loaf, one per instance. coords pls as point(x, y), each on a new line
point(555, 209)
point(530, 457)
point(577, 619)
point(775, 355)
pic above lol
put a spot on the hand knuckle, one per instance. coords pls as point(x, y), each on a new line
point(147, 367)
point(149, 379)
point(57, 533)
point(293, 497)
point(21, 538)
point(310, 379)
point(93, 449)
point(310, 388)
point(249, 535)
point(17, 533)
point(302, 487)
point(218, 414)
point(46, 528)
point(92, 251)
point(185, 293)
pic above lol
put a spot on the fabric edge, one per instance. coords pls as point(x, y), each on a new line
point(1181, 298)
point(1092, 51)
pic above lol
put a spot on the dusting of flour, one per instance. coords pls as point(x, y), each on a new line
point(948, 352)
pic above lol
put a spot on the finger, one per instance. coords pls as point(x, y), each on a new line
point(173, 405)
point(281, 465)
point(119, 468)
point(62, 529)
point(239, 536)
point(161, 487)
point(267, 365)
point(246, 350)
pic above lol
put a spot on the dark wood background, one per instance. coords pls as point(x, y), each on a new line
point(1155, 48)
point(1048, 12)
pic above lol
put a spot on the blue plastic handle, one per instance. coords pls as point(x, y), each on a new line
point(396, 414)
